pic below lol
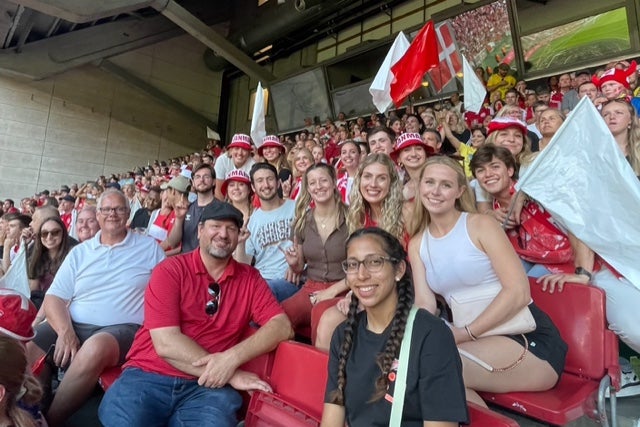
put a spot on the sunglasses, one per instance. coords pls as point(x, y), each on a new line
point(212, 306)
point(53, 233)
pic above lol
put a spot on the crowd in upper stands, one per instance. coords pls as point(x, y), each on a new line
point(433, 183)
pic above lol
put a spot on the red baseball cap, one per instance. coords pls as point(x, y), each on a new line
point(17, 313)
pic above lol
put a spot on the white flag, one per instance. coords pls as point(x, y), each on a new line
point(474, 90)
point(585, 182)
point(380, 88)
point(16, 277)
point(212, 134)
point(258, 130)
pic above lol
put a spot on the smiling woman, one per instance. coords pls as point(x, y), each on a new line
point(363, 360)
point(49, 250)
point(320, 235)
point(448, 233)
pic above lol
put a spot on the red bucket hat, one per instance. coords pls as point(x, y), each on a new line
point(235, 175)
point(17, 313)
point(407, 140)
point(500, 123)
point(241, 140)
point(270, 141)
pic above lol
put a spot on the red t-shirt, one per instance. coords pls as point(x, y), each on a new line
point(66, 219)
point(177, 296)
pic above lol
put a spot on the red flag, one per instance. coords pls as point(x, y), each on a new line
point(421, 56)
point(450, 62)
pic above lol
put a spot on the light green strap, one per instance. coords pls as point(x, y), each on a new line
point(401, 376)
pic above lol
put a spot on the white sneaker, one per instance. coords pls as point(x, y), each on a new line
point(629, 381)
point(629, 384)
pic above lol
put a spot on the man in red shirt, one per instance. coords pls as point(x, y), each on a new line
point(66, 208)
point(183, 364)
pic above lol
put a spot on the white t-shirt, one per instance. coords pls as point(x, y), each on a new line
point(105, 284)
point(268, 230)
point(224, 165)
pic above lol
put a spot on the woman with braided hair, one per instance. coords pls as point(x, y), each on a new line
point(364, 353)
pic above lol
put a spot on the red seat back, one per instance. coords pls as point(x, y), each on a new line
point(299, 375)
point(579, 314)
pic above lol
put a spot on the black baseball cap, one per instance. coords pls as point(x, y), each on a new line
point(222, 210)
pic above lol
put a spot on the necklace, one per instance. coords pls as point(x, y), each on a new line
point(323, 221)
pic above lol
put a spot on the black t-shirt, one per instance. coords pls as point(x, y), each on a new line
point(190, 227)
point(140, 219)
point(434, 392)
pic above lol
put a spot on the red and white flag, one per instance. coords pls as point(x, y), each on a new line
point(408, 72)
point(380, 88)
point(450, 62)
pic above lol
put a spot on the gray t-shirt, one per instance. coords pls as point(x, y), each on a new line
point(268, 230)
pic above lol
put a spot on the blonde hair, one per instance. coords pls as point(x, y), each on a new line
point(303, 203)
point(464, 203)
point(307, 152)
point(633, 136)
point(460, 126)
point(391, 220)
point(524, 154)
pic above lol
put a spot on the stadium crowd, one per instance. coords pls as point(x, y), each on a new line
point(329, 234)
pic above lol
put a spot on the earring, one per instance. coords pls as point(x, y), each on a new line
point(397, 279)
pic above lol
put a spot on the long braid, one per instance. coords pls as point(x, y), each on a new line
point(337, 396)
point(392, 348)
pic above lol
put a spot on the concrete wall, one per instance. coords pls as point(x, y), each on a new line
point(80, 125)
point(177, 69)
point(87, 122)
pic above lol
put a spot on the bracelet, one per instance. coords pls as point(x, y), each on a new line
point(466, 328)
point(583, 272)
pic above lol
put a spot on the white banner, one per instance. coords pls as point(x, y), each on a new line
point(585, 182)
point(16, 277)
point(474, 90)
point(258, 131)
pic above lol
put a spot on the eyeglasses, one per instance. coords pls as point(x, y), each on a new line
point(52, 233)
point(372, 264)
point(120, 210)
point(212, 306)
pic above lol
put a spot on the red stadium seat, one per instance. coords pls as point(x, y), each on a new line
point(109, 376)
point(592, 364)
point(298, 379)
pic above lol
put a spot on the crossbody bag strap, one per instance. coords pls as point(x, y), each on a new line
point(403, 367)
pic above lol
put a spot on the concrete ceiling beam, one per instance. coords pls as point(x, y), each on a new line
point(84, 10)
point(55, 55)
point(212, 39)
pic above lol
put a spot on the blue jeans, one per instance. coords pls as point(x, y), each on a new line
point(141, 398)
point(282, 289)
point(534, 270)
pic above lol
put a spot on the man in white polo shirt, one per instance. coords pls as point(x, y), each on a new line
point(95, 305)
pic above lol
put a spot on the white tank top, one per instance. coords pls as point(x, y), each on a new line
point(453, 261)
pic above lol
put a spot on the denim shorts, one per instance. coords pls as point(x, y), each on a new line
point(140, 398)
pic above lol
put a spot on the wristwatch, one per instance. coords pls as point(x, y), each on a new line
point(583, 272)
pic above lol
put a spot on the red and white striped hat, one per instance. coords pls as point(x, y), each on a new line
point(270, 141)
point(240, 140)
point(407, 140)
